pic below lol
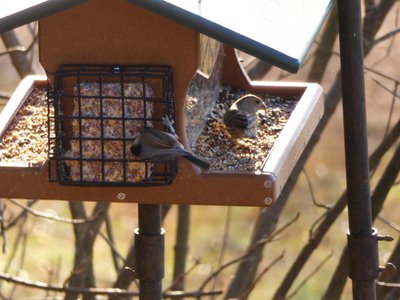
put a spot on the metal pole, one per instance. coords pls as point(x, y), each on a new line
point(362, 238)
point(149, 254)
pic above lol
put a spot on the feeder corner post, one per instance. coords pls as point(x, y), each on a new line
point(362, 238)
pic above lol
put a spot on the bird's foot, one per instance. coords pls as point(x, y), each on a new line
point(169, 123)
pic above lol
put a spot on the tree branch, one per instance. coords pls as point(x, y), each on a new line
point(52, 217)
point(377, 199)
point(63, 289)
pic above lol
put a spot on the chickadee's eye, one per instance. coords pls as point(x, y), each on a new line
point(258, 101)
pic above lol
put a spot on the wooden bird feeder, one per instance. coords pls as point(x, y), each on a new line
point(114, 66)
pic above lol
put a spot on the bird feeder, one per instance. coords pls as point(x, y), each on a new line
point(115, 67)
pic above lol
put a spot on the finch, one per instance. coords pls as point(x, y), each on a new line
point(241, 118)
point(157, 145)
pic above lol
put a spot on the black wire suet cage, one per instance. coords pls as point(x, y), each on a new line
point(95, 113)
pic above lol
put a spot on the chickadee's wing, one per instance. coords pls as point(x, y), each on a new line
point(158, 138)
point(165, 154)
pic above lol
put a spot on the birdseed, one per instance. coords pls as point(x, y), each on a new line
point(25, 140)
point(245, 154)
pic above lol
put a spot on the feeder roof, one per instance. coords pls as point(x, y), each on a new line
point(280, 32)
point(20, 12)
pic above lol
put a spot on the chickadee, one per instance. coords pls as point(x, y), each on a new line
point(157, 145)
point(241, 118)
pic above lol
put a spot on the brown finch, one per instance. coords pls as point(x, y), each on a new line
point(241, 118)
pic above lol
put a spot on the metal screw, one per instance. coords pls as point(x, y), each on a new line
point(268, 201)
point(267, 184)
point(121, 196)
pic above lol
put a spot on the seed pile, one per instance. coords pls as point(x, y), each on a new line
point(244, 155)
point(26, 137)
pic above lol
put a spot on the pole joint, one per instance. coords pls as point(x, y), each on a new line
point(363, 254)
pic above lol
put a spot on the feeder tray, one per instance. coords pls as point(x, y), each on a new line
point(97, 111)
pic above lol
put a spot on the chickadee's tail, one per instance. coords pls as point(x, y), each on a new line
point(205, 165)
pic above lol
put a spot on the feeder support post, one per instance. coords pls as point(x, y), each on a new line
point(149, 252)
point(362, 238)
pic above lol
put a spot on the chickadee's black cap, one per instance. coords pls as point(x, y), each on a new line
point(136, 149)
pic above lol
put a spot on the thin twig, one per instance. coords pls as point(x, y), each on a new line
point(195, 294)
point(396, 86)
point(114, 250)
point(315, 224)
point(374, 71)
point(62, 289)
point(14, 248)
point(116, 256)
point(2, 227)
point(310, 188)
point(386, 88)
point(22, 214)
point(21, 265)
point(388, 284)
point(258, 278)
point(41, 214)
point(183, 275)
point(367, 68)
point(224, 242)
point(275, 233)
point(388, 223)
point(308, 277)
point(248, 252)
point(387, 36)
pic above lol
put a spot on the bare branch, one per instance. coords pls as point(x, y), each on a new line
point(195, 294)
point(52, 217)
point(377, 199)
point(186, 273)
point(117, 257)
point(2, 227)
point(63, 289)
point(254, 247)
point(258, 278)
point(276, 232)
point(310, 188)
point(226, 231)
point(388, 284)
point(21, 215)
point(330, 217)
point(388, 223)
point(181, 246)
point(393, 92)
point(82, 274)
point(386, 36)
point(309, 276)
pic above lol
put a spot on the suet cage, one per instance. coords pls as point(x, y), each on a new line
point(94, 114)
